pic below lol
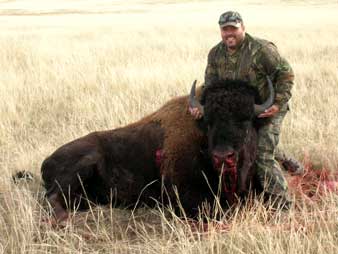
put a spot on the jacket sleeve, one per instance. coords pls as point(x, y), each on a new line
point(211, 70)
point(280, 72)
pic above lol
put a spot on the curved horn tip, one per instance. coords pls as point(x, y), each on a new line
point(269, 101)
point(193, 102)
point(194, 83)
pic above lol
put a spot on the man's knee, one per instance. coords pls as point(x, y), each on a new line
point(268, 140)
point(268, 134)
point(271, 178)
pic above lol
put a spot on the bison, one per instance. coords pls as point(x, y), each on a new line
point(131, 165)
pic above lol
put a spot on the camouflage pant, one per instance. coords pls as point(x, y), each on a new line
point(268, 169)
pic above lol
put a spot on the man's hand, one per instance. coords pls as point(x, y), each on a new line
point(195, 112)
point(270, 112)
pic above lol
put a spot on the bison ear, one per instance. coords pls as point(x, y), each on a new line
point(193, 102)
point(268, 103)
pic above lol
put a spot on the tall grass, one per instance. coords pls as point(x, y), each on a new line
point(80, 66)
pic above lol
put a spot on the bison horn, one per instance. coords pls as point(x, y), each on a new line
point(193, 102)
point(261, 108)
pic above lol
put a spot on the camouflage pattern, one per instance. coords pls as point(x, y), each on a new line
point(230, 18)
point(254, 59)
point(268, 169)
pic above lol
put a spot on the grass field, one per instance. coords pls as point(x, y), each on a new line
point(71, 67)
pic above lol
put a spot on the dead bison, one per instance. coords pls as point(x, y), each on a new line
point(129, 165)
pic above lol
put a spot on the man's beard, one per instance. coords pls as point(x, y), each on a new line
point(232, 47)
point(235, 42)
point(232, 41)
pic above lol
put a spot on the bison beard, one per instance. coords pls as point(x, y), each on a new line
point(127, 166)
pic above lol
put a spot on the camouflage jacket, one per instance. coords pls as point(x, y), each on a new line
point(254, 59)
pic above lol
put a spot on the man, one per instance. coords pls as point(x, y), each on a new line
point(241, 56)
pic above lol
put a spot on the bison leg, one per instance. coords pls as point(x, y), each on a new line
point(68, 189)
point(197, 202)
point(60, 213)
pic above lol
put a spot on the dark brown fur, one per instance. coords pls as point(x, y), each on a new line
point(120, 166)
point(116, 165)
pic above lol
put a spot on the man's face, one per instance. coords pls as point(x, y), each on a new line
point(232, 36)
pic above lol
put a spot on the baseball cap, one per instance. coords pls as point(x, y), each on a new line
point(230, 18)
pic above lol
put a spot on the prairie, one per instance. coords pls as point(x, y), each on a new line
point(71, 67)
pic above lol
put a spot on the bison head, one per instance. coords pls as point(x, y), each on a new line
point(228, 113)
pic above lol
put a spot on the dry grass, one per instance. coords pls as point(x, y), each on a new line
point(71, 67)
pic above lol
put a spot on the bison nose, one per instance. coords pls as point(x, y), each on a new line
point(223, 157)
point(230, 155)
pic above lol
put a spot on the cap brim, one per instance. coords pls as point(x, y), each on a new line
point(234, 24)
